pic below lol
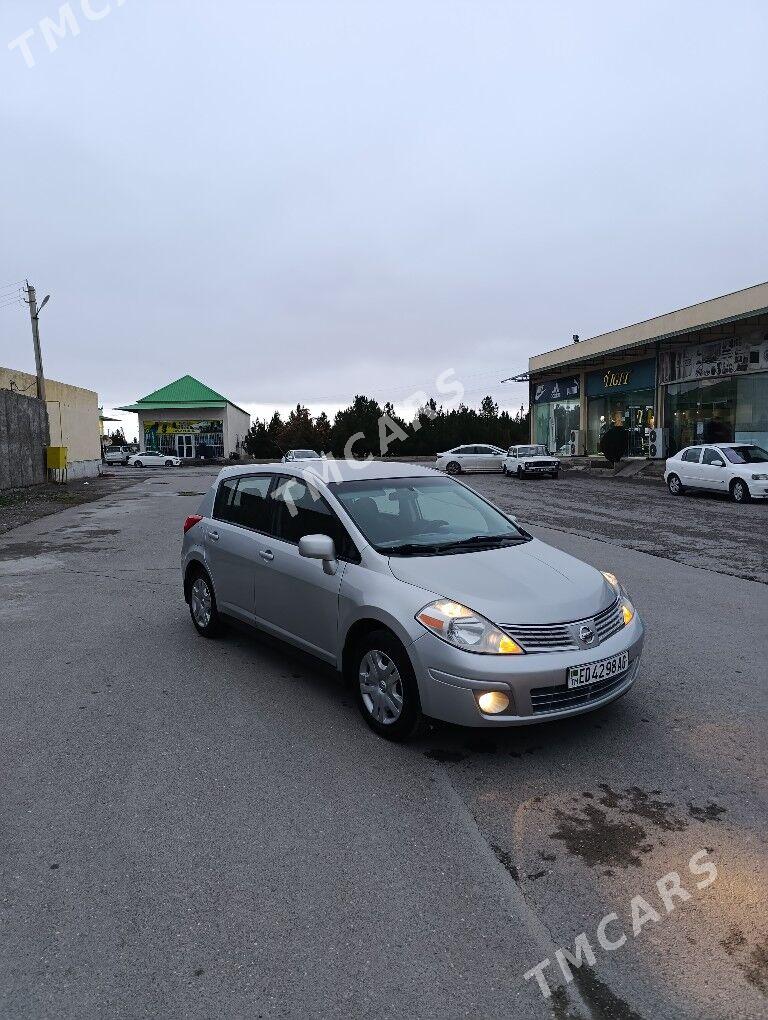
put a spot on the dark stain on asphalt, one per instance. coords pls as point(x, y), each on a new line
point(198, 972)
point(755, 966)
point(602, 1001)
point(547, 856)
point(536, 874)
point(756, 970)
point(637, 802)
point(54, 867)
point(598, 839)
point(480, 746)
point(708, 812)
point(444, 755)
point(190, 493)
point(505, 860)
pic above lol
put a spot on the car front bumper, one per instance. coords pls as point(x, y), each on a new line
point(449, 680)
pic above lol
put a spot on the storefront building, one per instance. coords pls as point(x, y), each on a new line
point(700, 374)
point(188, 419)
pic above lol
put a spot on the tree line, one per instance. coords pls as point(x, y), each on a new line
point(366, 427)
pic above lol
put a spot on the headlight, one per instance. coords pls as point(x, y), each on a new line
point(759, 478)
point(613, 580)
point(463, 628)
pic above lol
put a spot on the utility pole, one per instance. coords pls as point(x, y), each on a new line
point(33, 314)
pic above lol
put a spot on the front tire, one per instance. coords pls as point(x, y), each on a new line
point(137, 463)
point(386, 688)
point(519, 473)
point(740, 491)
point(675, 486)
point(202, 606)
point(453, 467)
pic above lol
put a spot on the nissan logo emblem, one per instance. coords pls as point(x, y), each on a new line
point(586, 635)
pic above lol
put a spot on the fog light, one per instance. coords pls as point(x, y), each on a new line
point(627, 612)
point(493, 702)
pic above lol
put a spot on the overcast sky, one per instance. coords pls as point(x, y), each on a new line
point(299, 201)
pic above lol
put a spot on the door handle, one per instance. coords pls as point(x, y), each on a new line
point(266, 554)
point(214, 535)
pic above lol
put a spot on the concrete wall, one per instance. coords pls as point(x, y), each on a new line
point(73, 417)
point(236, 426)
point(23, 439)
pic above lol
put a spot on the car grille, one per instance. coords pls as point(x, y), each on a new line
point(560, 637)
point(562, 698)
point(545, 465)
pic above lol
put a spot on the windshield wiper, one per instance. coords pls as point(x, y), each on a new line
point(409, 549)
point(477, 540)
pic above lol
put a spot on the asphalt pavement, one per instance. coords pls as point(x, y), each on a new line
point(205, 829)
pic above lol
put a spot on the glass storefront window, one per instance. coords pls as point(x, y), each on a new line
point(553, 422)
point(701, 412)
point(632, 411)
point(541, 424)
point(751, 424)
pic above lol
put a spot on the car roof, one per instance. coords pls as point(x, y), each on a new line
point(330, 469)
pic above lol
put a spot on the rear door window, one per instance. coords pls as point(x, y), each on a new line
point(243, 501)
point(692, 455)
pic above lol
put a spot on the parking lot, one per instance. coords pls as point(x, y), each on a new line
point(202, 829)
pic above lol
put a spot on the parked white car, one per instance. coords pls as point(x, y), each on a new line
point(294, 455)
point(739, 469)
point(470, 458)
point(530, 460)
point(117, 454)
point(153, 458)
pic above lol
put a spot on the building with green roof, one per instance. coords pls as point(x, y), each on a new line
point(189, 419)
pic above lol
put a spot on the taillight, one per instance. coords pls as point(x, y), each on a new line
point(191, 521)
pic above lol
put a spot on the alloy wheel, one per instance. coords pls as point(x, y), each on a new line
point(381, 687)
point(674, 485)
point(200, 602)
point(739, 492)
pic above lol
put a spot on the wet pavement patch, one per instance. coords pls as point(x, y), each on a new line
point(637, 802)
point(599, 840)
point(708, 812)
point(505, 860)
point(480, 746)
point(752, 964)
point(444, 755)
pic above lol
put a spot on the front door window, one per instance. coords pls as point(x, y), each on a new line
point(185, 446)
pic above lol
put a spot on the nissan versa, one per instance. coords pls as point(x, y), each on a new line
point(432, 601)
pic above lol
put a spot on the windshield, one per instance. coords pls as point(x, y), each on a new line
point(424, 516)
point(305, 455)
point(532, 451)
point(745, 454)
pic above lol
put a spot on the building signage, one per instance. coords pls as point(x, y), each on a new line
point(732, 356)
point(181, 428)
point(640, 375)
point(556, 389)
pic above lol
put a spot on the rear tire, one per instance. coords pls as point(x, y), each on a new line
point(137, 463)
point(740, 491)
point(202, 606)
point(675, 486)
point(453, 467)
point(519, 473)
point(385, 686)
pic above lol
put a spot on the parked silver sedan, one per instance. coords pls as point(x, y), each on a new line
point(428, 598)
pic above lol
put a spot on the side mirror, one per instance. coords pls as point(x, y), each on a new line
point(320, 547)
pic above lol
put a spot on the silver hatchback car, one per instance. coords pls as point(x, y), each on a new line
point(429, 599)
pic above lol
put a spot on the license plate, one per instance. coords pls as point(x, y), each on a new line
point(593, 672)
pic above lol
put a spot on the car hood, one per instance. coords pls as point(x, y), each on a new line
point(530, 583)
